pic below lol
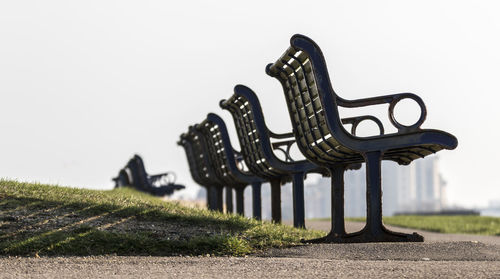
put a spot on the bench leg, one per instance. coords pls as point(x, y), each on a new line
point(337, 233)
point(257, 200)
point(239, 201)
point(229, 200)
point(298, 200)
point(374, 230)
point(218, 198)
point(276, 200)
point(338, 224)
point(373, 194)
point(210, 197)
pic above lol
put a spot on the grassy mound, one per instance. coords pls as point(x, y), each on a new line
point(40, 219)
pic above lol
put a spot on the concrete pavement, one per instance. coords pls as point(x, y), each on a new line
point(441, 256)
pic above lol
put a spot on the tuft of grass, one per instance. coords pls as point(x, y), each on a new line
point(457, 224)
point(38, 219)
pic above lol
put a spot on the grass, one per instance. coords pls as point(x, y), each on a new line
point(38, 219)
point(457, 224)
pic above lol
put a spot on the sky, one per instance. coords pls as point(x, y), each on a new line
point(86, 84)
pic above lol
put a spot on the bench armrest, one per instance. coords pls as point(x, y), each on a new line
point(392, 100)
point(385, 99)
point(354, 121)
point(162, 178)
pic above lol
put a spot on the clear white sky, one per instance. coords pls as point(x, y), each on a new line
point(85, 84)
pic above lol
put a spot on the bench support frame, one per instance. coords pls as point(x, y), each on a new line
point(240, 209)
point(229, 200)
point(276, 200)
point(374, 230)
point(257, 200)
point(298, 200)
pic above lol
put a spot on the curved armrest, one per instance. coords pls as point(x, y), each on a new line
point(392, 100)
point(163, 178)
point(385, 99)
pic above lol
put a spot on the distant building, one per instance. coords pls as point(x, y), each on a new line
point(417, 187)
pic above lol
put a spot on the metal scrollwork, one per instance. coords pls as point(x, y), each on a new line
point(356, 120)
point(288, 144)
point(401, 127)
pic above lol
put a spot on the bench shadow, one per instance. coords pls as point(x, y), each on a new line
point(31, 226)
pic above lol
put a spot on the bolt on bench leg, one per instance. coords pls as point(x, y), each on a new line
point(257, 200)
point(276, 200)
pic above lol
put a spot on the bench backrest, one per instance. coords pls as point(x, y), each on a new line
point(138, 173)
point(222, 153)
point(252, 131)
point(123, 178)
point(192, 160)
point(311, 101)
point(199, 161)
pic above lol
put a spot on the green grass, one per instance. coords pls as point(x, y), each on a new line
point(49, 220)
point(466, 224)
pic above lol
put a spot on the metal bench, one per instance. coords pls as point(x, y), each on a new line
point(158, 185)
point(122, 179)
point(322, 138)
point(257, 150)
point(226, 160)
point(201, 168)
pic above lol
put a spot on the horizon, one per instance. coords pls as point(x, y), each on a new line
point(86, 86)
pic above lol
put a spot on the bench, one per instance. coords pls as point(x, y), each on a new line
point(225, 161)
point(258, 152)
point(134, 174)
point(322, 138)
point(201, 168)
point(122, 179)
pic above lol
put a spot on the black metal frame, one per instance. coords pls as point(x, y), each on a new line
point(201, 169)
point(258, 152)
point(122, 179)
point(225, 163)
point(321, 137)
point(134, 174)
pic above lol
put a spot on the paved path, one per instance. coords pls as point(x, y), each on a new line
point(443, 256)
point(251, 267)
